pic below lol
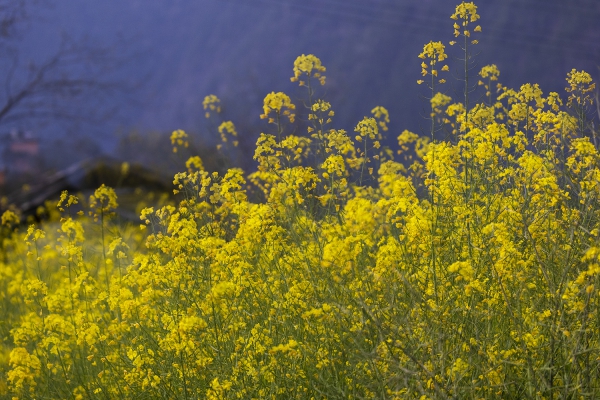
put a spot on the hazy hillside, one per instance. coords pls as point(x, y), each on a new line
point(240, 50)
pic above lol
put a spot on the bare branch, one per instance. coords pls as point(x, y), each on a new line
point(76, 71)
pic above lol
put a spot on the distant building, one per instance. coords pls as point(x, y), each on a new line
point(20, 154)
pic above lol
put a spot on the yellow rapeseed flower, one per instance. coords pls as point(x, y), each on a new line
point(280, 103)
point(211, 103)
point(310, 66)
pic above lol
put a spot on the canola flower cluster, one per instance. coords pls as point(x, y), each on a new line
point(462, 268)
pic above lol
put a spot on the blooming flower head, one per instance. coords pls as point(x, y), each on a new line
point(227, 128)
point(194, 163)
point(435, 53)
point(439, 100)
point(321, 105)
point(104, 199)
point(382, 116)
point(368, 127)
point(309, 65)
point(466, 13)
point(10, 218)
point(490, 71)
point(529, 93)
point(179, 138)
point(279, 103)
point(554, 101)
point(211, 103)
point(580, 85)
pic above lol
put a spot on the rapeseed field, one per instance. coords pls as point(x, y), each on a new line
point(464, 265)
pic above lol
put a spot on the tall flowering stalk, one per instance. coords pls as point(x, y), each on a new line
point(433, 54)
point(464, 15)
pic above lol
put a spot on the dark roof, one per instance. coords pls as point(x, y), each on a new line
point(86, 176)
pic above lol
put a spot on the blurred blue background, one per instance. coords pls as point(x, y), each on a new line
point(147, 64)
